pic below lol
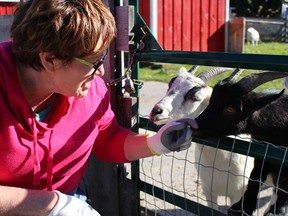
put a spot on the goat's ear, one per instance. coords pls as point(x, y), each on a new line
point(182, 71)
point(265, 100)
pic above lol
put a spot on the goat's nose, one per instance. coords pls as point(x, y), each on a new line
point(155, 111)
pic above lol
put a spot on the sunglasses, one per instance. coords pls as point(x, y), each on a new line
point(96, 65)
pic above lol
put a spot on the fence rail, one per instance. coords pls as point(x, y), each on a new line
point(245, 61)
point(272, 153)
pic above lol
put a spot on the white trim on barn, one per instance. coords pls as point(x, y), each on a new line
point(154, 17)
point(227, 25)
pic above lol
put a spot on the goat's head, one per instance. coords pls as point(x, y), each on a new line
point(187, 95)
point(232, 103)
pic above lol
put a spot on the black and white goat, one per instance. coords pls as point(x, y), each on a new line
point(187, 96)
point(233, 109)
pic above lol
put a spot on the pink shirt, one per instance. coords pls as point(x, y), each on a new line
point(53, 154)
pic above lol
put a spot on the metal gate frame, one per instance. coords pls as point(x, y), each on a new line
point(152, 52)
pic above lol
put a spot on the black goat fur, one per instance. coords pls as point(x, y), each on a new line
point(262, 115)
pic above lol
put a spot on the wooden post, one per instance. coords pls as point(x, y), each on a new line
point(101, 184)
point(125, 22)
point(128, 199)
point(236, 35)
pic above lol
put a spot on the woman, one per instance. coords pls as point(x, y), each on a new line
point(55, 109)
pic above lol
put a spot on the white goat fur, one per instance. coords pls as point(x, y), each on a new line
point(221, 173)
point(253, 36)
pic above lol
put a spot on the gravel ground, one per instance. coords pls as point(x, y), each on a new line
point(175, 172)
point(150, 93)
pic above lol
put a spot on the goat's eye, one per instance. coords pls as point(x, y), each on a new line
point(192, 96)
point(195, 98)
point(229, 110)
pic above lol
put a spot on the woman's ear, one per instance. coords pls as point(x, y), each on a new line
point(49, 61)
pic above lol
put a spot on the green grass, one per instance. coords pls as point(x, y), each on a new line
point(170, 70)
point(267, 48)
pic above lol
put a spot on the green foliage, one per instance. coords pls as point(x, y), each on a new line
point(257, 8)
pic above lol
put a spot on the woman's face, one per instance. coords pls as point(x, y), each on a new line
point(75, 79)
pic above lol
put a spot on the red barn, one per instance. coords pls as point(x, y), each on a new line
point(6, 16)
point(7, 7)
point(188, 24)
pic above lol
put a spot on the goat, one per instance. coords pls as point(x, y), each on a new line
point(187, 96)
point(234, 108)
point(253, 36)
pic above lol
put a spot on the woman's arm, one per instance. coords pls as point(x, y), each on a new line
point(18, 201)
point(136, 147)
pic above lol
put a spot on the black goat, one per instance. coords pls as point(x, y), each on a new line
point(233, 109)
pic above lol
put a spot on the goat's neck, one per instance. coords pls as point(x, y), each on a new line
point(268, 127)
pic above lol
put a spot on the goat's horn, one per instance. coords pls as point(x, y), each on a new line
point(234, 75)
point(212, 72)
point(193, 69)
point(252, 81)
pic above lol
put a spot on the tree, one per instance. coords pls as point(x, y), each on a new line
point(257, 8)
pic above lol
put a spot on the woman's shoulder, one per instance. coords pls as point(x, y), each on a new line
point(6, 50)
point(99, 85)
point(6, 55)
point(7, 63)
point(6, 47)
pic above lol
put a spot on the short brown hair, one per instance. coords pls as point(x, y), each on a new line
point(65, 28)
